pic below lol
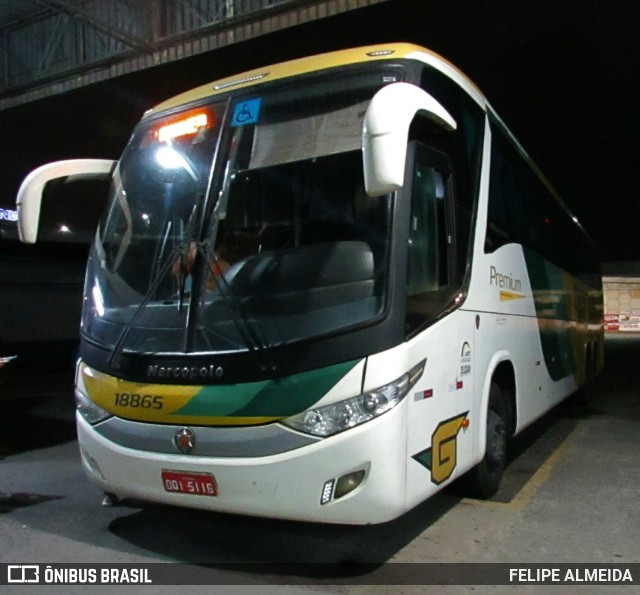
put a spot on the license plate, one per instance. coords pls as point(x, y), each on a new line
point(196, 484)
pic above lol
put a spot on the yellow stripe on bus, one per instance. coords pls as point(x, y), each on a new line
point(298, 67)
point(506, 296)
point(156, 403)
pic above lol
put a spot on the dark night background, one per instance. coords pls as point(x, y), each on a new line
point(562, 74)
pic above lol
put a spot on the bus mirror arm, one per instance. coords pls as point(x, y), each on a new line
point(29, 197)
point(386, 129)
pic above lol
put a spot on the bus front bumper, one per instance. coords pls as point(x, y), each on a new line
point(298, 484)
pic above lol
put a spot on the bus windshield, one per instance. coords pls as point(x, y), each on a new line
point(242, 225)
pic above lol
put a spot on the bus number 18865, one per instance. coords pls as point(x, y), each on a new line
point(136, 400)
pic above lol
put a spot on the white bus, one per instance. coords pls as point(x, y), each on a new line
point(323, 290)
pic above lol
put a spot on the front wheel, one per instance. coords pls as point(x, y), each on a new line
point(483, 480)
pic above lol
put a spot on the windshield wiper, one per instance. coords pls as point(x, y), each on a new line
point(212, 262)
point(249, 334)
point(179, 251)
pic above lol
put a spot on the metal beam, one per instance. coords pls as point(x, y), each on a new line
point(232, 27)
point(74, 10)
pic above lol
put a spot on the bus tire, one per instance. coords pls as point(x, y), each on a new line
point(584, 395)
point(483, 480)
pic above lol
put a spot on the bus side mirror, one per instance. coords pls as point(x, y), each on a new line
point(386, 129)
point(31, 191)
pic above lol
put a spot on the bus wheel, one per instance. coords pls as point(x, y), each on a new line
point(584, 395)
point(484, 479)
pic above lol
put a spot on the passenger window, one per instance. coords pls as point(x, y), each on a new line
point(430, 258)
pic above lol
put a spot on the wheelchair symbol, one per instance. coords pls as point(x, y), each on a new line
point(244, 115)
point(246, 112)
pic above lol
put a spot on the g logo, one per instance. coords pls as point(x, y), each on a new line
point(441, 459)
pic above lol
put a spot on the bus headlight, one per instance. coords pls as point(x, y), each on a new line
point(340, 416)
point(91, 412)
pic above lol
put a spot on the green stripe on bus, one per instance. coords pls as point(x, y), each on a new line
point(279, 397)
point(552, 291)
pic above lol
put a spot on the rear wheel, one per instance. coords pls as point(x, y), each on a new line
point(584, 395)
point(484, 479)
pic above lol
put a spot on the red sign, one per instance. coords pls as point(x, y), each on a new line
point(611, 322)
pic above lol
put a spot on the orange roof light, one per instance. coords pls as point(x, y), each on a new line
point(183, 127)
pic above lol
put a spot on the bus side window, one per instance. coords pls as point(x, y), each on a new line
point(430, 243)
point(427, 252)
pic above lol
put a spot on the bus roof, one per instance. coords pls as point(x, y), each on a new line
point(321, 62)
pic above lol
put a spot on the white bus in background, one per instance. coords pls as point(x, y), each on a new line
point(323, 290)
